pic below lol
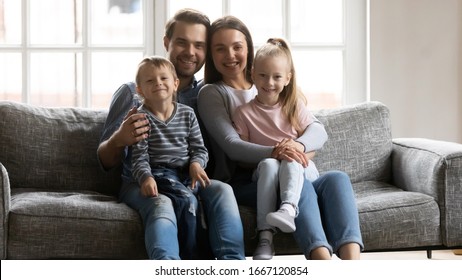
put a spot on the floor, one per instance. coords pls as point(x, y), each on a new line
point(402, 255)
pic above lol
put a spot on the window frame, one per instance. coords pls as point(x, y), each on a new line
point(155, 15)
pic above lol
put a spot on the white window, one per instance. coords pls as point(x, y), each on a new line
point(69, 52)
point(77, 52)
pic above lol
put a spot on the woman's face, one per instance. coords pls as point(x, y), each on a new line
point(229, 52)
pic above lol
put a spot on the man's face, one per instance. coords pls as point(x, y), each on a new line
point(187, 48)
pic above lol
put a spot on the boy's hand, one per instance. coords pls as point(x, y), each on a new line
point(198, 174)
point(149, 187)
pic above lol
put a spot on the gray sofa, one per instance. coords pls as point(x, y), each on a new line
point(56, 203)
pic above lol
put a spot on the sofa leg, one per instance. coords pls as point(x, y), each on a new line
point(429, 254)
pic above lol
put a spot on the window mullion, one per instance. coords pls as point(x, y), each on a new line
point(286, 20)
point(159, 9)
point(86, 54)
point(25, 53)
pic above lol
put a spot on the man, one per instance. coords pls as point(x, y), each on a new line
point(185, 43)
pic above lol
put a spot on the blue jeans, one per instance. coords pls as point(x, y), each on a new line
point(160, 227)
point(328, 216)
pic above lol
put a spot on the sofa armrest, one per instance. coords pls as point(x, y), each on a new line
point(434, 168)
point(5, 209)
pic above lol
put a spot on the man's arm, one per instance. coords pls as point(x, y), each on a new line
point(123, 127)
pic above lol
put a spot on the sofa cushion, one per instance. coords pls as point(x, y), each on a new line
point(359, 143)
point(393, 218)
point(53, 147)
point(77, 225)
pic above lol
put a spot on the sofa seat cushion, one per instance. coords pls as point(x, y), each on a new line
point(77, 225)
point(391, 218)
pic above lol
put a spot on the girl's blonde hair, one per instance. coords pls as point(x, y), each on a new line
point(290, 96)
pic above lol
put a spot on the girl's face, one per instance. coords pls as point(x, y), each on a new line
point(157, 84)
point(270, 75)
point(229, 52)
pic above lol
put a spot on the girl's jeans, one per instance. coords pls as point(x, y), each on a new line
point(279, 177)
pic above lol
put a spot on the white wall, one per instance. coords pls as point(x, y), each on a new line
point(416, 65)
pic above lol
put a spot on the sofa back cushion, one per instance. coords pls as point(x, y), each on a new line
point(359, 143)
point(53, 148)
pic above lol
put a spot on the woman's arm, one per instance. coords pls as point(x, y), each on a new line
point(213, 109)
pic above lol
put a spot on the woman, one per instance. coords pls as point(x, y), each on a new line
point(229, 85)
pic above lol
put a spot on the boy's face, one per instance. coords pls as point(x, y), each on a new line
point(157, 84)
point(187, 48)
point(271, 75)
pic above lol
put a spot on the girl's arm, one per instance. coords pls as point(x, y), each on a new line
point(314, 137)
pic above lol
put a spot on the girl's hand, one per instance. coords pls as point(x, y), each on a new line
point(290, 143)
point(198, 174)
point(290, 150)
point(149, 187)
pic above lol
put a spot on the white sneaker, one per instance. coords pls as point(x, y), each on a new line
point(282, 220)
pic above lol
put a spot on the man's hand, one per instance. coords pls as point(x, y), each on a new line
point(134, 128)
point(198, 174)
point(149, 187)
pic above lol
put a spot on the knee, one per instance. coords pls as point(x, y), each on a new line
point(269, 165)
point(160, 207)
point(217, 189)
point(338, 178)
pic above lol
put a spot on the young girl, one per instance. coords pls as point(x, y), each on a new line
point(278, 112)
point(171, 160)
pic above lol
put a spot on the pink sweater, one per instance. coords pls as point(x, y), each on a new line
point(265, 125)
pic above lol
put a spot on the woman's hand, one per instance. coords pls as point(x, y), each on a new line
point(198, 174)
point(291, 150)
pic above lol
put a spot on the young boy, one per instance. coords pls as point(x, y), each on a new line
point(172, 159)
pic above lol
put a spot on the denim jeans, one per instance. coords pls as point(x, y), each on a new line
point(160, 226)
point(328, 215)
point(273, 175)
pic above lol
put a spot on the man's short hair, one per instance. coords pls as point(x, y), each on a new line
point(189, 16)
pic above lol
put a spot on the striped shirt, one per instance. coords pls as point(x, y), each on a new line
point(174, 143)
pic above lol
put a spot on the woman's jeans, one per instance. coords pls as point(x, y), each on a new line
point(221, 211)
point(328, 215)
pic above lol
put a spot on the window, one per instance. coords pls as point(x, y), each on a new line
point(76, 55)
point(327, 37)
point(87, 48)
